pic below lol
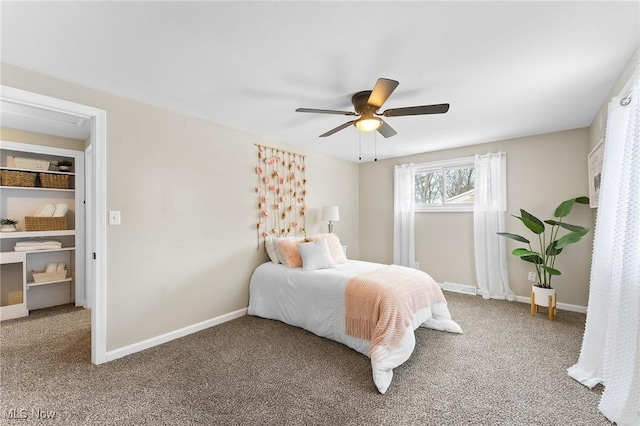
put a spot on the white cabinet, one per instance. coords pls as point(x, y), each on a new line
point(13, 285)
point(18, 202)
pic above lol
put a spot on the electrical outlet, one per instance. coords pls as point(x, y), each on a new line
point(532, 276)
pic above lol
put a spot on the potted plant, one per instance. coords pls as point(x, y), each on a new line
point(64, 165)
point(8, 225)
point(549, 245)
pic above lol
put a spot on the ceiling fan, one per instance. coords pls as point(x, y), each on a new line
point(366, 105)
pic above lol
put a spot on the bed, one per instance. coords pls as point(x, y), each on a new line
point(316, 300)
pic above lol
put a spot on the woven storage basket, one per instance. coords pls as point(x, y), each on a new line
point(43, 277)
point(11, 178)
point(33, 223)
point(30, 163)
point(49, 180)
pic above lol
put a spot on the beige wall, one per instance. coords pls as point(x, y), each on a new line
point(187, 244)
point(542, 171)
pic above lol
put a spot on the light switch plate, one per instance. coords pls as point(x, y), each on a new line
point(114, 217)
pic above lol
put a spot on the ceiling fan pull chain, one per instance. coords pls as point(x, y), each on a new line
point(375, 146)
point(359, 146)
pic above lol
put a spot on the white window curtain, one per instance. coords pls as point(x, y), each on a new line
point(489, 209)
point(611, 345)
point(404, 241)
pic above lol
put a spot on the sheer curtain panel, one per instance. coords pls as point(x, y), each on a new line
point(404, 241)
point(611, 344)
point(489, 208)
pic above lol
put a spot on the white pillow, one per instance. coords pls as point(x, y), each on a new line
point(335, 247)
point(315, 255)
point(270, 245)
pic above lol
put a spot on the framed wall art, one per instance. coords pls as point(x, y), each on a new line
point(594, 162)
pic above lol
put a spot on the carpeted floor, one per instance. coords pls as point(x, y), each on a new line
point(507, 369)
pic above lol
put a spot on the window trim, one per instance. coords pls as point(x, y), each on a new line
point(465, 162)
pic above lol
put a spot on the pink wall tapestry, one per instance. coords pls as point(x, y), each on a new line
point(281, 193)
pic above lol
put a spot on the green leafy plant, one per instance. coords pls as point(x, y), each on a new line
point(7, 221)
point(550, 245)
point(64, 163)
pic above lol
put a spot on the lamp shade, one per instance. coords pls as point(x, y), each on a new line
point(330, 213)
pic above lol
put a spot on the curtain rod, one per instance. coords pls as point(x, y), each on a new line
point(279, 150)
point(491, 154)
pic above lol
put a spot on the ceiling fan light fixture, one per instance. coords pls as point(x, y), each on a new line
point(368, 124)
point(366, 104)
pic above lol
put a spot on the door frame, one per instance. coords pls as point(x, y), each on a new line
point(98, 198)
point(89, 215)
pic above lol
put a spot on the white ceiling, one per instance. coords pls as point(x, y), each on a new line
point(508, 69)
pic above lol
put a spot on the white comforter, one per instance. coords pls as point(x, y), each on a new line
point(314, 300)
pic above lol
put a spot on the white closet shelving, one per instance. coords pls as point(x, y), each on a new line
point(19, 292)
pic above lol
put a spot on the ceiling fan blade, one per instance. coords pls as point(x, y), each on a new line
point(381, 92)
point(386, 130)
point(417, 110)
point(326, 111)
point(337, 129)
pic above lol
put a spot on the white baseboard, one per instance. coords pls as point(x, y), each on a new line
point(521, 299)
point(167, 337)
point(561, 306)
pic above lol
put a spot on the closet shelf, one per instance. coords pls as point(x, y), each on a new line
point(35, 234)
point(34, 284)
point(56, 172)
point(37, 188)
point(43, 251)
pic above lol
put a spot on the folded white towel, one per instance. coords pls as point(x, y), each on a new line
point(37, 243)
point(49, 246)
point(61, 210)
point(36, 248)
point(51, 267)
point(27, 243)
point(61, 267)
point(45, 211)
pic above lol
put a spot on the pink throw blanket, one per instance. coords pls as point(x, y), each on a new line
point(380, 304)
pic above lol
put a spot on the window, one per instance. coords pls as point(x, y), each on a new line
point(445, 186)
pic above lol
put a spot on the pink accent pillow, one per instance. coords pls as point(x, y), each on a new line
point(288, 252)
point(335, 247)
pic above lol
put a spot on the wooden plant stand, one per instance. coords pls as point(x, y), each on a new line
point(535, 308)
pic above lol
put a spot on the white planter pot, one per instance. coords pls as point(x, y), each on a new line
point(8, 228)
point(541, 296)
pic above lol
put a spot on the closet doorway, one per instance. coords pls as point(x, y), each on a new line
point(38, 113)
